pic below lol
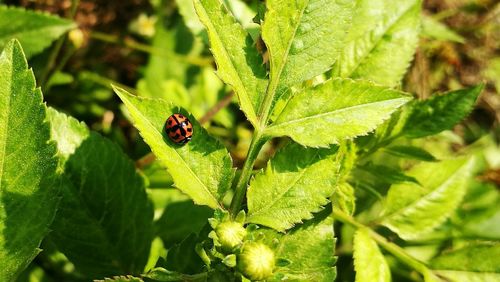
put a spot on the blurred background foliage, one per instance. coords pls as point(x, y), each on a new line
point(158, 48)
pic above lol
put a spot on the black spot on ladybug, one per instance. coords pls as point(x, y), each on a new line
point(189, 130)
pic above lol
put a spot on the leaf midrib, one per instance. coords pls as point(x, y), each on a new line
point(185, 164)
point(277, 125)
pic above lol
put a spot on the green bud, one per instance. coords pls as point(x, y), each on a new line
point(230, 234)
point(256, 261)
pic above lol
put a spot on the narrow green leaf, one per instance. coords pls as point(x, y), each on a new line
point(344, 198)
point(310, 249)
point(381, 41)
point(161, 274)
point(476, 262)
point(104, 224)
point(341, 109)
point(391, 175)
point(441, 112)
point(413, 210)
point(28, 198)
point(35, 30)
point(410, 152)
point(201, 168)
point(369, 262)
point(432, 28)
point(304, 38)
point(296, 183)
point(121, 278)
point(238, 62)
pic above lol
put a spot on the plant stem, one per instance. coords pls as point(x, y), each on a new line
point(132, 44)
point(246, 173)
point(392, 248)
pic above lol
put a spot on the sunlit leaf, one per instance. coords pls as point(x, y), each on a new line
point(28, 195)
point(296, 183)
point(238, 62)
point(412, 210)
point(201, 168)
point(381, 42)
point(369, 263)
point(336, 110)
point(34, 30)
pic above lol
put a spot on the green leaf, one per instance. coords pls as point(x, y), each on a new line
point(310, 249)
point(183, 257)
point(201, 168)
point(121, 278)
point(440, 112)
point(35, 30)
point(67, 132)
point(162, 274)
point(238, 62)
point(388, 174)
point(304, 38)
point(296, 183)
point(188, 13)
point(369, 262)
point(476, 262)
point(344, 198)
point(104, 223)
point(413, 210)
point(410, 152)
point(341, 109)
point(28, 195)
point(432, 28)
point(381, 42)
point(180, 219)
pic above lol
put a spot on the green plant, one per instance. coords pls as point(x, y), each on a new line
point(354, 149)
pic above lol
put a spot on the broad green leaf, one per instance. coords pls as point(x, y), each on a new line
point(34, 30)
point(310, 249)
point(341, 109)
point(440, 112)
point(432, 28)
point(369, 262)
point(67, 131)
point(104, 223)
point(381, 41)
point(238, 62)
point(410, 152)
point(296, 183)
point(413, 210)
point(388, 174)
point(28, 195)
point(180, 219)
point(201, 168)
point(477, 262)
point(304, 38)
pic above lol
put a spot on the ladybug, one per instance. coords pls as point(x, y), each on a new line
point(179, 129)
